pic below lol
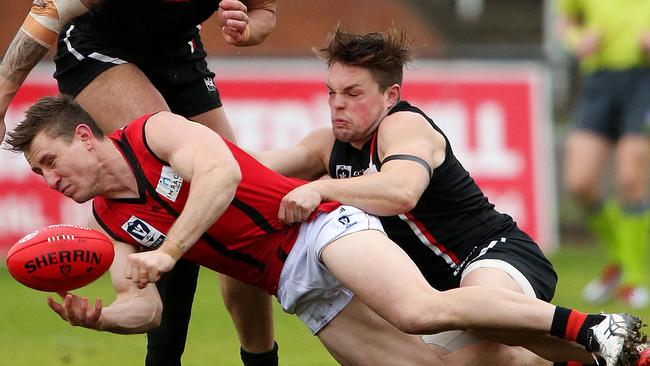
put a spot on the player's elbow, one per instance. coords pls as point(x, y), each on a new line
point(154, 319)
point(232, 177)
point(405, 200)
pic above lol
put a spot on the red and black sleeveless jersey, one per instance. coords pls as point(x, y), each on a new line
point(150, 22)
point(248, 242)
point(449, 220)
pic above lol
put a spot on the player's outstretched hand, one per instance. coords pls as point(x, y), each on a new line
point(298, 204)
point(76, 310)
point(147, 267)
point(233, 18)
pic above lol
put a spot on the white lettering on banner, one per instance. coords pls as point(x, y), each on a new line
point(452, 117)
point(13, 166)
point(510, 202)
point(490, 157)
point(269, 124)
point(21, 214)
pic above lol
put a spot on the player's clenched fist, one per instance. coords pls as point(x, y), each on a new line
point(147, 267)
point(233, 18)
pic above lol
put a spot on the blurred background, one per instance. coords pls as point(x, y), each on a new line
point(491, 73)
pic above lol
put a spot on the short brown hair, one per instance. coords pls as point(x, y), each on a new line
point(383, 54)
point(58, 116)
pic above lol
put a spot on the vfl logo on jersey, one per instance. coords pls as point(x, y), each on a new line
point(143, 233)
point(345, 221)
point(169, 183)
point(209, 83)
point(343, 171)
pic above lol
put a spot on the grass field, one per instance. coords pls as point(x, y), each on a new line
point(31, 334)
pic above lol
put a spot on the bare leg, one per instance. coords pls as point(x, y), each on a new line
point(632, 160)
point(585, 161)
point(251, 311)
point(551, 348)
point(358, 336)
point(385, 278)
point(217, 120)
point(120, 95)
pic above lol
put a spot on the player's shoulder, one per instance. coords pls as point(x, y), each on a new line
point(405, 119)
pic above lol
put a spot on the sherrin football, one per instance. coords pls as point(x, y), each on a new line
point(60, 257)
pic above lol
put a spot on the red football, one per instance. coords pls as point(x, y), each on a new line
point(60, 257)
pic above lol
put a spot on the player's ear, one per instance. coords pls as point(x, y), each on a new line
point(393, 94)
point(84, 133)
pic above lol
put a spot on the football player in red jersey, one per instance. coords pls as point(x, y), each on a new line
point(123, 59)
point(219, 209)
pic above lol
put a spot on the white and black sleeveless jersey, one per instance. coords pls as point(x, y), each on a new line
point(451, 218)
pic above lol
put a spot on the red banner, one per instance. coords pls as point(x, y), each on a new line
point(494, 116)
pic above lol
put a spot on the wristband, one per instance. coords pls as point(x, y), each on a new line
point(269, 358)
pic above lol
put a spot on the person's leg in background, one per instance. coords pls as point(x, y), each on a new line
point(585, 162)
point(632, 157)
point(588, 148)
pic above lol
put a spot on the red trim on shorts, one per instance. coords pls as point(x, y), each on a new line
point(432, 239)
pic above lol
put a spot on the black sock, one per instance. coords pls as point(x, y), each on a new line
point(269, 358)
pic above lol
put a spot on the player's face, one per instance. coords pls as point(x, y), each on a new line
point(66, 167)
point(356, 103)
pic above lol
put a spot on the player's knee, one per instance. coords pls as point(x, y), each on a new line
point(583, 191)
point(421, 317)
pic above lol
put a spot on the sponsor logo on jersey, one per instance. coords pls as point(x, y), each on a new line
point(143, 232)
point(209, 83)
point(343, 171)
point(169, 183)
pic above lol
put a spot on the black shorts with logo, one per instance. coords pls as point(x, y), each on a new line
point(520, 251)
point(179, 70)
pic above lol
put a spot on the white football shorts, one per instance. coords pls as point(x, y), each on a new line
point(306, 287)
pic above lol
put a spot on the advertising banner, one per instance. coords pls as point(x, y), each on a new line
point(496, 116)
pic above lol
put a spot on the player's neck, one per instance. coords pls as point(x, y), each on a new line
point(117, 177)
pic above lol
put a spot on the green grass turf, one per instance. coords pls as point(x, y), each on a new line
point(31, 334)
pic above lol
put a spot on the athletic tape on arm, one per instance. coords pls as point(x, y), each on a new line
point(411, 158)
point(47, 17)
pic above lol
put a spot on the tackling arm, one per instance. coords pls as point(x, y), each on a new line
point(394, 190)
point(397, 188)
point(307, 160)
